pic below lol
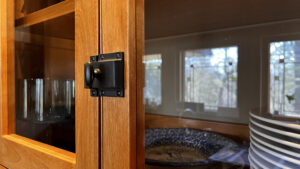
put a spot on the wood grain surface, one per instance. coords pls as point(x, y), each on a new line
point(140, 115)
point(87, 107)
point(118, 33)
point(48, 13)
point(17, 152)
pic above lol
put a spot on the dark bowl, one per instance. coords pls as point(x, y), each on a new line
point(174, 146)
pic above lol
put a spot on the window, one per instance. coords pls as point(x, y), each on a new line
point(285, 78)
point(152, 92)
point(210, 77)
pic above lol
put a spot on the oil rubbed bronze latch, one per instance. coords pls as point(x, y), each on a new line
point(104, 75)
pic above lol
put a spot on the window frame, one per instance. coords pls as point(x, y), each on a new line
point(266, 72)
point(209, 114)
point(267, 44)
point(161, 68)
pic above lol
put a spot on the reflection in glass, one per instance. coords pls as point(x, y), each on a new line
point(38, 99)
point(45, 82)
point(211, 77)
point(284, 78)
point(222, 60)
point(26, 99)
point(152, 80)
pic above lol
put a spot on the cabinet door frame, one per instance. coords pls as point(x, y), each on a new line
point(140, 48)
point(122, 131)
point(20, 152)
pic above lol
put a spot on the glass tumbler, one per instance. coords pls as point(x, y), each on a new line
point(37, 99)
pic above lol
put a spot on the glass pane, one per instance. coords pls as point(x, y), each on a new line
point(210, 77)
point(153, 78)
point(24, 7)
point(284, 72)
point(45, 82)
point(215, 70)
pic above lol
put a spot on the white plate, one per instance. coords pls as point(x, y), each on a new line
point(276, 122)
point(253, 164)
point(291, 153)
point(282, 132)
point(276, 154)
point(278, 136)
point(261, 164)
point(270, 158)
point(284, 142)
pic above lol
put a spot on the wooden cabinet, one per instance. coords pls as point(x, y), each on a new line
point(47, 118)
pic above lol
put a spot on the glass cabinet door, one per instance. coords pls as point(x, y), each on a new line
point(221, 84)
point(45, 82)
point(39, 93)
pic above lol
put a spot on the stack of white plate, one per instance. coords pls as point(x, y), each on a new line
point(274, 143)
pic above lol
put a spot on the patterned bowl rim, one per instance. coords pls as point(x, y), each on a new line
point(184, 164)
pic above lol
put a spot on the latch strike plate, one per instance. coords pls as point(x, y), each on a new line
point(104, 75)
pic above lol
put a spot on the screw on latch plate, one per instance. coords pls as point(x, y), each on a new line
point(94, 92)
point(97, 71)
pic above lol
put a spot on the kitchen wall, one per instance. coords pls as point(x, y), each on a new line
point(253, 60)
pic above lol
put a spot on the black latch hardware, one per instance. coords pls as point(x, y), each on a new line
point(104, 75)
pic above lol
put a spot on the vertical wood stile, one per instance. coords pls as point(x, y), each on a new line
point(87, 107)
point(118, 33)
point(140, 46)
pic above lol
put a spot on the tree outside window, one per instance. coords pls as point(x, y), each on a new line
point(285, 78)
point(210, 77)
point(152, 91)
